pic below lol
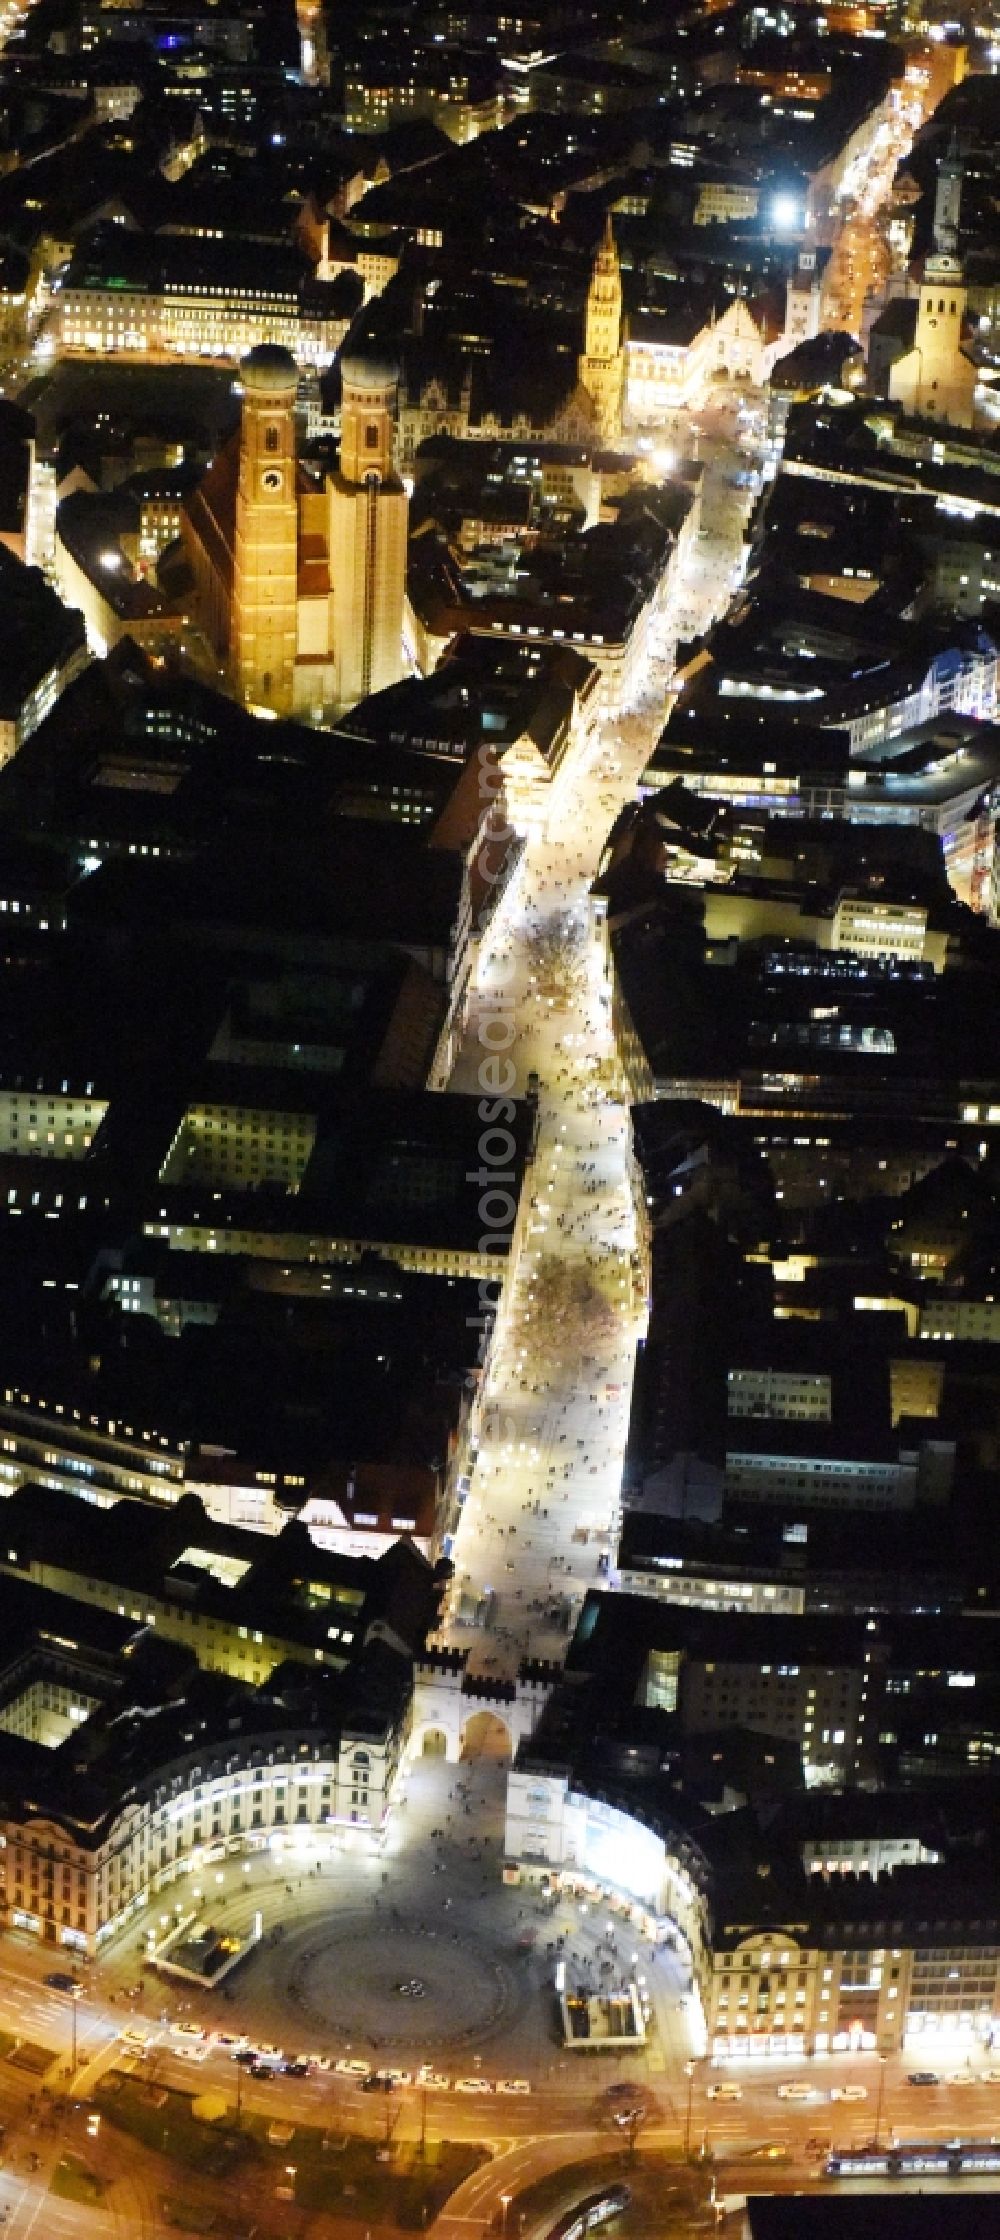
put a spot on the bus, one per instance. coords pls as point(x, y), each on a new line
point(931, 2158)
point(596, 2209)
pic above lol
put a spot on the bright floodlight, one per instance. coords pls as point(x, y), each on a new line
point(784, 210)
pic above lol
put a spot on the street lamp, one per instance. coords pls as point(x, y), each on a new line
point(880, 2098)
point(689, 2070)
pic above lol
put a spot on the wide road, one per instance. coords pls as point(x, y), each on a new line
point(561, 2090)
point(861, 259)
point(566, 2116)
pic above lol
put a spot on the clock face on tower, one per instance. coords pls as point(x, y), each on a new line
point(271, 478)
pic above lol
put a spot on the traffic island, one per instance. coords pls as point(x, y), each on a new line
point(193, 2216)
point(348, 2178)
point(24, 2054)
point(378, 2180)
point(72, 2180)
point(162, 2120)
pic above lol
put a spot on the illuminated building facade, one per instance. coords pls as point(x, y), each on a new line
point(851, 1969)
point(367, 534)
point(935, 380)
point(44, 650)
point(300, 578)
point(460, 102)
point(266, 549)
point(671, 358)
point(75, 1885)
point(778, 1993)
point(725, 202)
point(303, 1681)
point(135, 296)
point(601, 368)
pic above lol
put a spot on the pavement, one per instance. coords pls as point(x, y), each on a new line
point(539, 1525)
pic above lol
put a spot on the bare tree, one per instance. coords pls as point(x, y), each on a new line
point(557, 961)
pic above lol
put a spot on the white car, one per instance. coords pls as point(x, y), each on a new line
point(795, 2092)
point(473, 2084)
point(352, 2068)
point(725, 2092)
point(321, 2061)
point(192, 2049)
point(192, 2032)
point(230, 2041)
point(513, 2084)
point(431, 2080)
point(848, 2092)
point(989, 2076)
point(271, 2056)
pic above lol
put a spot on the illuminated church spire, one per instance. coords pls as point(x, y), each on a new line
point(601, 368)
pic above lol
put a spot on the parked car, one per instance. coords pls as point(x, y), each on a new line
point(725, 2092)
point(473, 2084)
point(923, 2076)
point(352, 2068)
point(848, 2092)
point(513, 2084)
point(60, 1982)
point(795, 2092)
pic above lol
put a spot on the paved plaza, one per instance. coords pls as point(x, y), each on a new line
point(420, 1954)
point(402, 1984)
